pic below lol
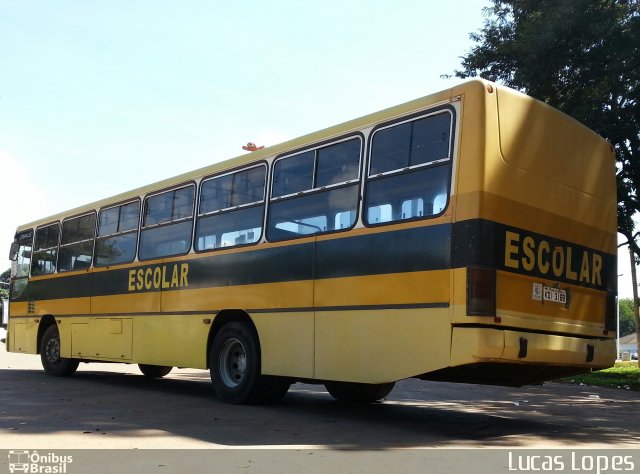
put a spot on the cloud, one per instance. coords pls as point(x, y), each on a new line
point(22, 201)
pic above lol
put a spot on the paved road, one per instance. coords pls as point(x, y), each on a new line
point(112, 406)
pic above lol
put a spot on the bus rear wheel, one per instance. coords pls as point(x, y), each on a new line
point(154, 371)
point(234, 364)
point(52, 363)
point(358, 392)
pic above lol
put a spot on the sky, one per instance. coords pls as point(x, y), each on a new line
point(100, 97)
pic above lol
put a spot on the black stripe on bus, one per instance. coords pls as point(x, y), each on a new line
point(410, 250)
point(486, 243)
point(436, 247)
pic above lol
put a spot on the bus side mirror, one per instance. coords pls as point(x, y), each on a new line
point(13, 253)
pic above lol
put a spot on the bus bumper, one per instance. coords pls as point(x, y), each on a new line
point(482, 345)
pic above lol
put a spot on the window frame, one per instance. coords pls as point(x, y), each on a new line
point(117, 234)
point(357, 182)
point(18, 236)
point(265, 190)
point(21, 241)
point(57, 247)
point(227, 173)
point(18, 283)
point(316, 147)
point(408, 119)
point(113, 206)
point(142, 227)
point(61, 245)
point(164, 191)
point(446, 108)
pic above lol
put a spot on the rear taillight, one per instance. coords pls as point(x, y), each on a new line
point(481, 291)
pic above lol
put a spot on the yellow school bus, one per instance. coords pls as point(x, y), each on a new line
point(466, 236)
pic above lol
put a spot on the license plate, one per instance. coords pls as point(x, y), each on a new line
point(554, 295)
point(549, 293)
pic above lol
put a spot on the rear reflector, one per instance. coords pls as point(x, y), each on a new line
point(481, 291)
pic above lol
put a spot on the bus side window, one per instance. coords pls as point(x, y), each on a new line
point(117, 234)
point(167, 223)
point(315, 191)
point(76, 244)
point(409, 173)
point(292, 176)
point(231, 209)
point(45, 255)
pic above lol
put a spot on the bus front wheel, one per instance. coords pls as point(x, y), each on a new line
point(234, 363)
point(358, 392)
point(154, 371)
point(52, 363)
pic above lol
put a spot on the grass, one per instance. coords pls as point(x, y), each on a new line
point(622, 375)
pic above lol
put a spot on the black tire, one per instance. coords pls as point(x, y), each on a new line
point(52, 363)
point(234, 364)
point(272, 389)
point(350, 392)
point(154, 371)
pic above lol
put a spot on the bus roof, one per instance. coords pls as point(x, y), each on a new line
point(370, 120)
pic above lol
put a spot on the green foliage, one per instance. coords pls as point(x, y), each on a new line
point(627, 321)
point(580, 56)
point(622, 375)
point(4, 279)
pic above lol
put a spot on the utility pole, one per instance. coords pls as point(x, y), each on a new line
point(618, 355)
point(634, 282)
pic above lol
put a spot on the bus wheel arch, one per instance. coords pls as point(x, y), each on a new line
point(224, 317)
point(45, 322)
point(52, 362)
point(234, 361)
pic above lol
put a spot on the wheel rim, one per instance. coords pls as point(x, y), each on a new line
point(52, 351)
point(233, 363)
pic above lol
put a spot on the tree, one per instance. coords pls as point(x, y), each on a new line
point(4, 284)
point(627, 321)
point(583, 58)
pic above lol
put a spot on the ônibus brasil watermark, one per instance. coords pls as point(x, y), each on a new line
point(40, 463)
